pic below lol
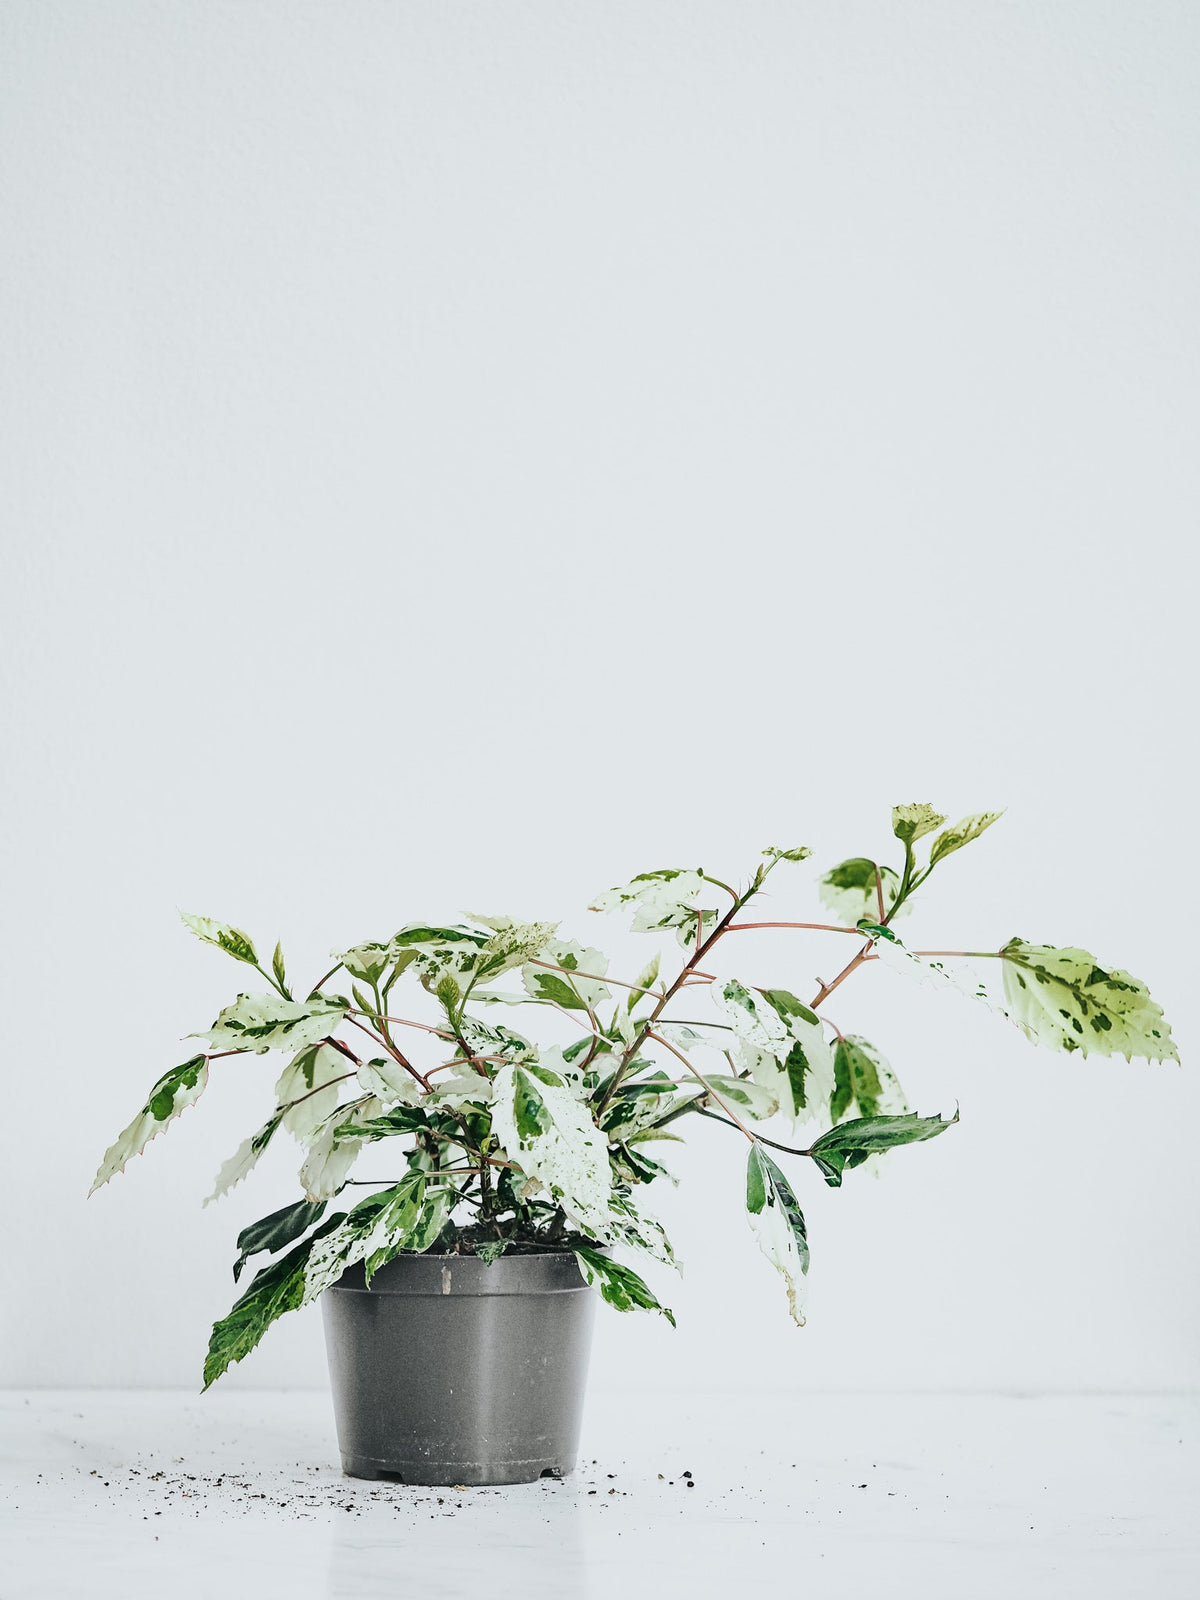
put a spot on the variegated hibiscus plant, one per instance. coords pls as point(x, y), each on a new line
point(509, 1144)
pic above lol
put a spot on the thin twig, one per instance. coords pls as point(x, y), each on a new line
point(658, 1038)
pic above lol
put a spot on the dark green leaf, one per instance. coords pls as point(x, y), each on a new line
point(275, 1290)
point(279, 1229)
point(850, 1143)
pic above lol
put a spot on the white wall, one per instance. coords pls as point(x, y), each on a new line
point(458, 455)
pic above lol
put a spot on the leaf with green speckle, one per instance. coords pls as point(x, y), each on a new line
point(1068, 1001)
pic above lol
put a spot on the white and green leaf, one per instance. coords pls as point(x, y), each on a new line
point(232, 940)
point(863, 1077)
point(934, 973)
point(1068, 1001)
point(389, 1082)
point(580, 986)
point(335, 1147)
point(910, 823)
point(850, 893)
point(668, 898)
point(173, 1093)
point(778, 1224)
point(743, 1095)
point(308, 1089)
point(548, 1131)
point(961, 833)
point(263, 1022)
point(851, 1144)
point(620, 1287)
point(244, 1159)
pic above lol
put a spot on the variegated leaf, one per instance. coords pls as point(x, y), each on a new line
point(365, 962)
point(961, 833)
point(934, 973)
point(663, 899)
point(390, 1082)
point(243, 1159)
point(864, 1078)
point(619, 1286)
point(308, 1089)
point(1067, 1000)
point(549, 1133)
point(744, 1096)
point(335, 1147)
point(263, 1022)
point(580, 987)
point(232, 940)
point(461, 1086)
point(910, 823)
point(778, 1224)
point(173, 1093)
point(849, 889)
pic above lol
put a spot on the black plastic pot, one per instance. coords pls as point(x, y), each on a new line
point(448, 1370)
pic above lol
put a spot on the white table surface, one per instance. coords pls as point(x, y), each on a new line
point(238, 1494)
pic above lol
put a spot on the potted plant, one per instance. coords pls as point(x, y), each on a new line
point(457, 1295)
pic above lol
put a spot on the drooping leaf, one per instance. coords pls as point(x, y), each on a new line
point(910, 823)
point(800, 853)
point(865, 1079)
point(663, 899)
point(548, 1131)
point(619, 1286)
point(960, 834)
point(174, 1091)
point(263, 1022)
point(233, 941)
point(307, 1089)
point(276, 1289)
point(244, 1159)
point(273, 1233)
point(851, 1143)
point(1068, 1001)
point(849, 889)
point(778, 1224)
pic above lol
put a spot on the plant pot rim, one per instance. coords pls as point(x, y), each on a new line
point(535, 1273)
